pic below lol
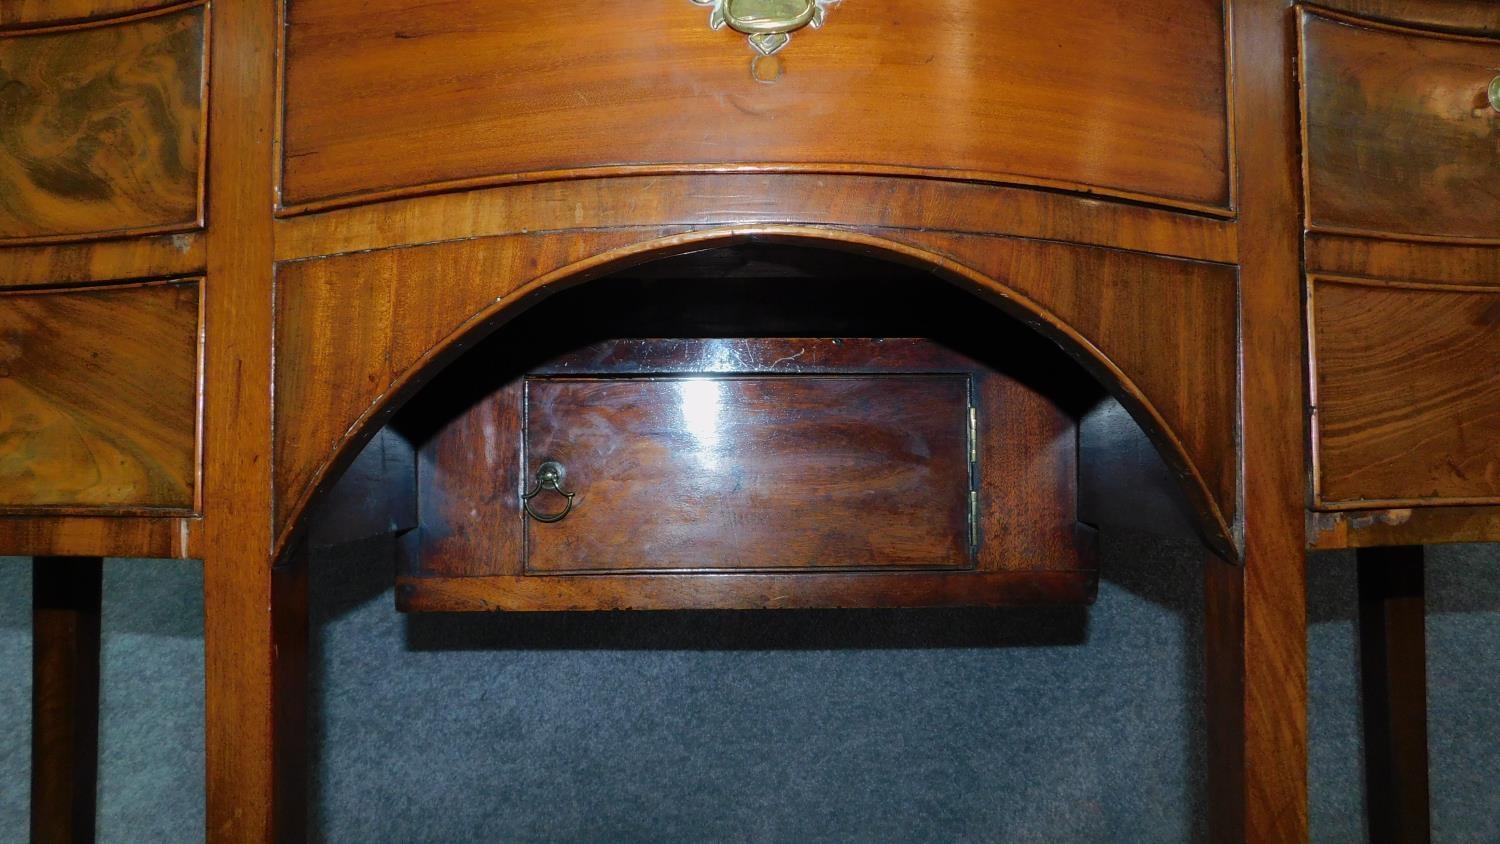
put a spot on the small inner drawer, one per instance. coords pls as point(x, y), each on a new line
point(749, 472)
point(716, 473)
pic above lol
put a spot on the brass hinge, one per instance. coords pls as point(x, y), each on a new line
point(973, 478)
point(973, 520)
point(973, 437)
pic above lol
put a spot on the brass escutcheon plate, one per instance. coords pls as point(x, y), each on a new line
point(768, 23)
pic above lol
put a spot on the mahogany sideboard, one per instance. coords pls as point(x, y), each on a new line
point(237, 237)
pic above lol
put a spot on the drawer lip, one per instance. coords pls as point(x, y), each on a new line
point(199, 218)
point(1319, 503)
point(130, 9)
point(194, 477)
point(733, 591)
point(1227, 210)
point(1308, 11)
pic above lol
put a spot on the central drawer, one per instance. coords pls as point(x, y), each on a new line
point(388, 98)
point(752, 472)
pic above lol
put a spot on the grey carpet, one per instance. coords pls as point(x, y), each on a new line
point(810, 726)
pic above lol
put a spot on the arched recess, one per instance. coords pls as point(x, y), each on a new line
point(358, 334)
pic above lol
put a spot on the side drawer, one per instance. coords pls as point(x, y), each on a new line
point(102, 127)
point(1406, 393)
point(99, 398)
point(1401, 137)
point(742, 473)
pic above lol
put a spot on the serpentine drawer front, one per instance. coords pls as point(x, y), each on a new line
point(1088, 94)
point(1402, 130)
point(1408, 393)
point(730, 473)
point(101, 126)
point(99, 398)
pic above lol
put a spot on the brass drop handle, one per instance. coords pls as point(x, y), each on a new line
point(549, 476)
point(1495, 93)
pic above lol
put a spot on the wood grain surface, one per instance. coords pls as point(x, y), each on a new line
point(1407, 405)
point(99, 398)
point(1400, 137)
point(101, 128)
point(388, 97)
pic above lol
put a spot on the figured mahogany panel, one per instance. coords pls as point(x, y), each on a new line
point(101, 127)
point(391, 97)
point(99, 398)
point(1407, 398)
point(1400, 136)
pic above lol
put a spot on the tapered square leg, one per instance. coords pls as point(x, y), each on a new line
point(65, 697)
point(1393, 680)
point(256, 640)
point(1255, 646)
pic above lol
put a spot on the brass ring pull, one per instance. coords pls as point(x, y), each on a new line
point(548, 476)
point(1495, 93)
